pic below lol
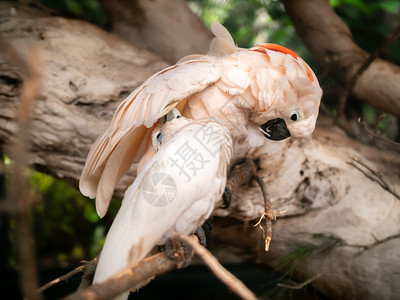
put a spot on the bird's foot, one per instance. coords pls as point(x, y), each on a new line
point(226, 197)
point(241, 172)
point(170, 250)
point(203, 234)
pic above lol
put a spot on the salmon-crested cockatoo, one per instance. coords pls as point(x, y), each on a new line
point(265, 91)
point(177, 190)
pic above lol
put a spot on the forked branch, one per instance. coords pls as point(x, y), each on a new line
point(149, 267)
point(242, 173)
point(373, 175)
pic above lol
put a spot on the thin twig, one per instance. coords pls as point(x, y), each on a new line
point(223, 274)
point(243, 172)
point(299, 286)
point(269, 214)
point(373, 245)
point(20, 193)
point(378, 120)
point(379, 140)
point(88, 272)
point(61, 278)
point(88, 268)
point(373, 175)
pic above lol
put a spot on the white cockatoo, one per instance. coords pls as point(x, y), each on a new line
point(177, 190)
point(265, 91)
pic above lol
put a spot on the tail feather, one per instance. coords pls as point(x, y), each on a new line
point(128, 241)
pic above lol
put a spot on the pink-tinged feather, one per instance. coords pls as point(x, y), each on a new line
point(270, 80)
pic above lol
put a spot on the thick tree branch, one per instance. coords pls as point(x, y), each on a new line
point(86, 74)
point(168, 28)
point(332, 45)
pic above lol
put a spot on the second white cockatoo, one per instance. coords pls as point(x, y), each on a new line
point(265, 91)
point(177, 190)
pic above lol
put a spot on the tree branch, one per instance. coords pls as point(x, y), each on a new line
point(224, 275)
point(299, 286)
point(241, 173)
point(377, 243)
point(377, 139)
point(80, 90)
point(373, 175)
point(156, 265)
point(21, 196)
point(168, 28)
point(65, 277)
point(332, 45)
point(132, 276)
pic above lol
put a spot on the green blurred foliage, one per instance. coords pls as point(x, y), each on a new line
point(65, 217)
point(66, 225)
point(257, 21)
point(66, 228)
point(371, 22)
point(251, 22)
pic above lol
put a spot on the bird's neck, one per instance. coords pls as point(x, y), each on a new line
point(230, 110)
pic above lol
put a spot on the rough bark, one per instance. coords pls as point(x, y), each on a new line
point(86, 74)
point(334, 214)
point(331, 44)
point(333, 209)
point(168, 28)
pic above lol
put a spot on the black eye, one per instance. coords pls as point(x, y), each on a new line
point(159, 137)
point(294, 116)
point(178, 116)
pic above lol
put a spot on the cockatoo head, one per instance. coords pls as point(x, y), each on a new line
point(169, 124)
point(289, 99)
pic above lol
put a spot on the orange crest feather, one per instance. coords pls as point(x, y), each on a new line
point(279, 48)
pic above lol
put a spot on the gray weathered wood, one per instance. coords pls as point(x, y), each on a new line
point(86, 74)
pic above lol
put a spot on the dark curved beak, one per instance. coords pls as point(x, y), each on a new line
point(275, 130)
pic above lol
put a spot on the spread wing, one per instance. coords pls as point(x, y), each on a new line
point(126, 137)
